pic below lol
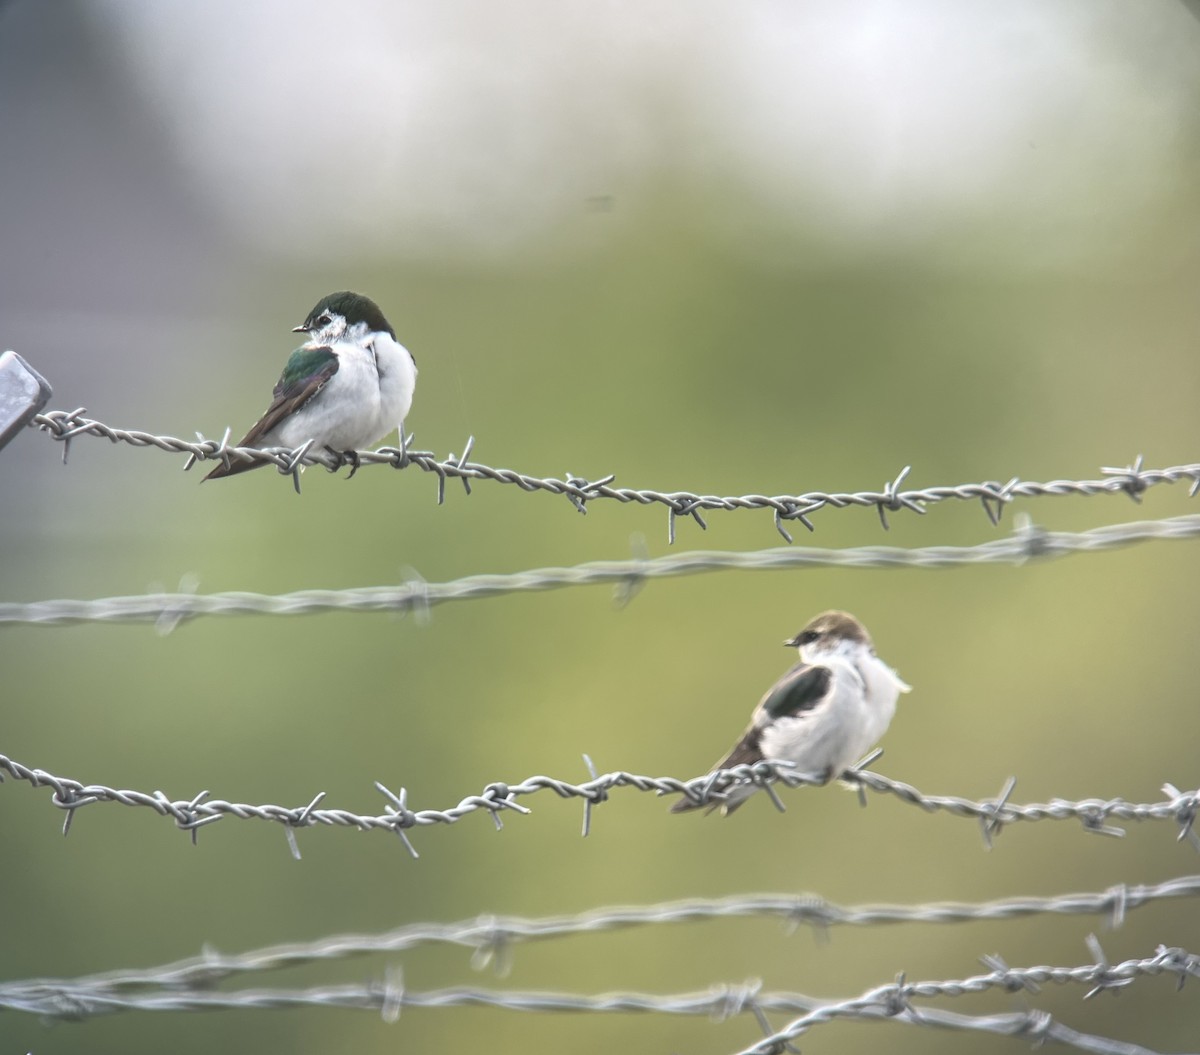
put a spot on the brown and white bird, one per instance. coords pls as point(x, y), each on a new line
point(824, 714)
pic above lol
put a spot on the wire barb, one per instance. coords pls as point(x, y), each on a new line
point(399, 816)
point(588, 800)
point(1186, 805)
point(1130, 478)
point(992, 824)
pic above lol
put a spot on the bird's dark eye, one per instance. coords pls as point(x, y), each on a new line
point(807, 638)
point(324, 319)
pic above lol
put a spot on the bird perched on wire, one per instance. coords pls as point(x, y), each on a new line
point(823, 714)
point(346, 387)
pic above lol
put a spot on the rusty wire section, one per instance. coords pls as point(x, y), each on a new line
point(993, 495)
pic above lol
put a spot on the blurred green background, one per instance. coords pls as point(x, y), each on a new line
point(734, 249)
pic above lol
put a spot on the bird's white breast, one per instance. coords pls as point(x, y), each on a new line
point(845, 725)
point(366, 398)
point(883, 688)
point(397, 379)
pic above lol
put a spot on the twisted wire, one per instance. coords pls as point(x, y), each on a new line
point(992, 814)
point(168, 610)
point(892, 1002)
point(1131, 480)
point(895, 1001)
point(492, 939)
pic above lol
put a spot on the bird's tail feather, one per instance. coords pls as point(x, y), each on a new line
point(686, 805)
point(232, 469)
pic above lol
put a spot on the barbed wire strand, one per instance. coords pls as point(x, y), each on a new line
point(168, 610)
point(892, 1002)
point(497, 797)
point(492, 939)
point(895, 1001)
point(1131, 480)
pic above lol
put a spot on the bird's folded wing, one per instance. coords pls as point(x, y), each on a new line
point(799, 690)
point(308, 370)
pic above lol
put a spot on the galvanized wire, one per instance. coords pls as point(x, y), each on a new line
point(892, 1002)
point(992, 814)
point(1131, 480)
point(895, 1001)
point(186, 985)
point(493, 939)
point(168, 610)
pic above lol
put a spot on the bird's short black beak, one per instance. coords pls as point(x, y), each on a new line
point(299, 329)
point(792, 642)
